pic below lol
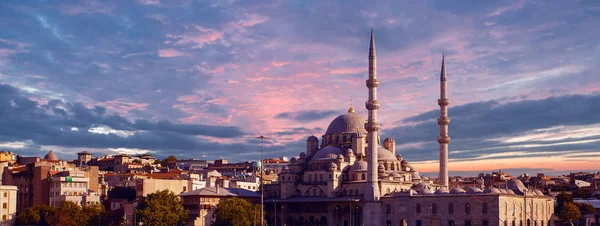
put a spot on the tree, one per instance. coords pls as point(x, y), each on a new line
point(95, 214)
point(237, 212)
point(570, 212)
point(585, 208)
point(68, 213)
point(169, 159)
point(561, 199)
point(162, 208)
point(34, 215)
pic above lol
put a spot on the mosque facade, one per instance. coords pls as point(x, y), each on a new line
point(348, 177)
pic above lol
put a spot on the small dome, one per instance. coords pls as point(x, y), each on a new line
point(349, 152)
point(442, 190)
point(473, 190)
point(312, 138)
point(404, 163)
point(359, 166)
point(412, 192)
point(502, 191)
point(388, 139)
point(516, 185)
point(302, 154)
point(51, 156)
point(426, 191)
point(347, 123)
point(332, 165)
point(510, 192)
point(457, 190)
point(340, 156)
point(491, 190)
point(380, 166)
point(330, 152)
point(257, 164)
point(399, 157)
point(293, 160)
point(286, 168)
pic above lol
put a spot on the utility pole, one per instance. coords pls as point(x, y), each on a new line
point(262, 189)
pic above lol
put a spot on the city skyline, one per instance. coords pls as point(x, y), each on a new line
point(204, 79)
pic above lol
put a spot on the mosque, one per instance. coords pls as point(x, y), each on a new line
point(349, 178)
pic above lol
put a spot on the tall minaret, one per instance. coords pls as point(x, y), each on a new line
point(372, 126)
point(443, 121)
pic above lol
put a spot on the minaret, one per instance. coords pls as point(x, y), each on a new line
point(372, 127)
point(443, 121)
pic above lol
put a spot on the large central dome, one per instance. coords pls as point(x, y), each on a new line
point(347, 123)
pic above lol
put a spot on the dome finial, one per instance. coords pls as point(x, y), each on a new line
point(351, 110)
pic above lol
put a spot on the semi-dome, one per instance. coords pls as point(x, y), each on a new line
point(510, 192)
point(516, 185)
point(538, 192)
point(384, 154)
point(312, 138)
point(395, 174)
point(347, 123)
point(359, 166)
point(51, 156)
point(330, 152)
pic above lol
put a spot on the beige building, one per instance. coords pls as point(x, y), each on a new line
point(202, 203)
point(8, 198)
point(177, 186)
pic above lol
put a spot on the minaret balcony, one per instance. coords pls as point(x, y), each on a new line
point(372, 104)
point(443, 121)
point(372, 82)
point(444, 101)
point(371, 127)
point(443, 139)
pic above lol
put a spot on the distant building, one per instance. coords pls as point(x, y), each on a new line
point(8, 198)
point(84, 158)
point(7, 156)
point(72, 186)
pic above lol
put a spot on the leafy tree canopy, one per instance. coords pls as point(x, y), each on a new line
point(570, 212)
point(162, 208)
point(237, 212)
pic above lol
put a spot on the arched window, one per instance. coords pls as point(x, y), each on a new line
point(321, 177)
point(433, 209)
point(362, 177)
point(309, 177)
point(418, 207)
point(388, 209)
point(450, 208)
point(314, 192)
point(467, 208)
point(484, 208)
point(353, 176)
point(321, 193)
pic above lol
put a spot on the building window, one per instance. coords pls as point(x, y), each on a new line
point(486, 223)
point(433, 209)
point(5, 194)
point(388, 209)
point(450, 208)
point(467, 223)
point(418, 207)
point(309, 177)
point(468, 208)
point(363, 176)
point(484, 208)
point(321, 177)
point(451, 223)
point(3, 217)
point(4, 205)
point(418, 222)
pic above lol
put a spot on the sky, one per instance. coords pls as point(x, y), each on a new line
point(202, 79)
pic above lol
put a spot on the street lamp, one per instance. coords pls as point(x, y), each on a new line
point(262, 189)
point(282, 215)
point(275, 210)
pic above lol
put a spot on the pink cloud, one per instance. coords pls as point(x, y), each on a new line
point(512, 7)
point(341, 71)
point(279, 63)
point(121, 106)
point(171, 53)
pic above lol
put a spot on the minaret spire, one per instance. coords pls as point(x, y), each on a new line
point(443, 121)
point(372, 126)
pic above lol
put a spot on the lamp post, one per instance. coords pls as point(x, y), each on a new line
point(262, 204)
point(282, 215)
point(275, 210)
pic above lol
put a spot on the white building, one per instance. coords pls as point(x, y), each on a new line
point(8, 198)
point(71, 186)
